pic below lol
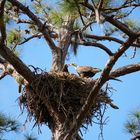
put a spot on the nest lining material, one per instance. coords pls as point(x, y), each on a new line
point(64, 92)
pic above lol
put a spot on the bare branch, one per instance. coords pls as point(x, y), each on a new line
point(109, 38)
point(123, 6)
point(29, 38)
point(35, 36)
point(20, 67)
point(119, 25)
point(125, 70)
point(36, 20)
point(24, 21)
point(101, 46)
point(100, 4)
point(94, 5)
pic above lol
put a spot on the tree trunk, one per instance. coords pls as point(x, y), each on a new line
point(61, 131)
point(65, 35)
point(57, 60)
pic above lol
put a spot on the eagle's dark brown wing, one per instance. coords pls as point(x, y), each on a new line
point(87, 71)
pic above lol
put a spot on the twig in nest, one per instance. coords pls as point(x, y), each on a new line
point(36, 70)
point(61, 94)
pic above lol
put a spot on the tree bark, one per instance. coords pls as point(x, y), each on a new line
point(125, 70)
point(60, 132)
point(59, 54)
point(20, 67)
point(57, 60)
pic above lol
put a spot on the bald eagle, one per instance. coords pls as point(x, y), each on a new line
point(86, 71)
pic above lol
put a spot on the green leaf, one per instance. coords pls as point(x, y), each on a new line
point(14, 36)
point(56, 18)
point(131, 126)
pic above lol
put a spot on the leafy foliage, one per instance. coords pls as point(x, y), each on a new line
point(14, 37)
point(8, 124)
point(132, 24)
point(71, 7)
point(66, 8)
point(132, 125)
point(56, 18)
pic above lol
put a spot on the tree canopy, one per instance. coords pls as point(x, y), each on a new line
point(70, 25)
point(132, 124)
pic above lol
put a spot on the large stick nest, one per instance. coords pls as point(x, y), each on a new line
point(64, 93)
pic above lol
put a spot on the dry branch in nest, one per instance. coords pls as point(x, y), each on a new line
point(64, 93)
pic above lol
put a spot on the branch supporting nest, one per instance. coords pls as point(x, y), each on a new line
point(62, 95)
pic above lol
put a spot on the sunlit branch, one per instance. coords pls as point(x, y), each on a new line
point(100, 4)
point(24, 21)
point(97, 11)
point(125, 70)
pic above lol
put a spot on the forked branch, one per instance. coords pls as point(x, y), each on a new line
point(119, 25)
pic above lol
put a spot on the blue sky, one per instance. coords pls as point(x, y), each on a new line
point(126, 96)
